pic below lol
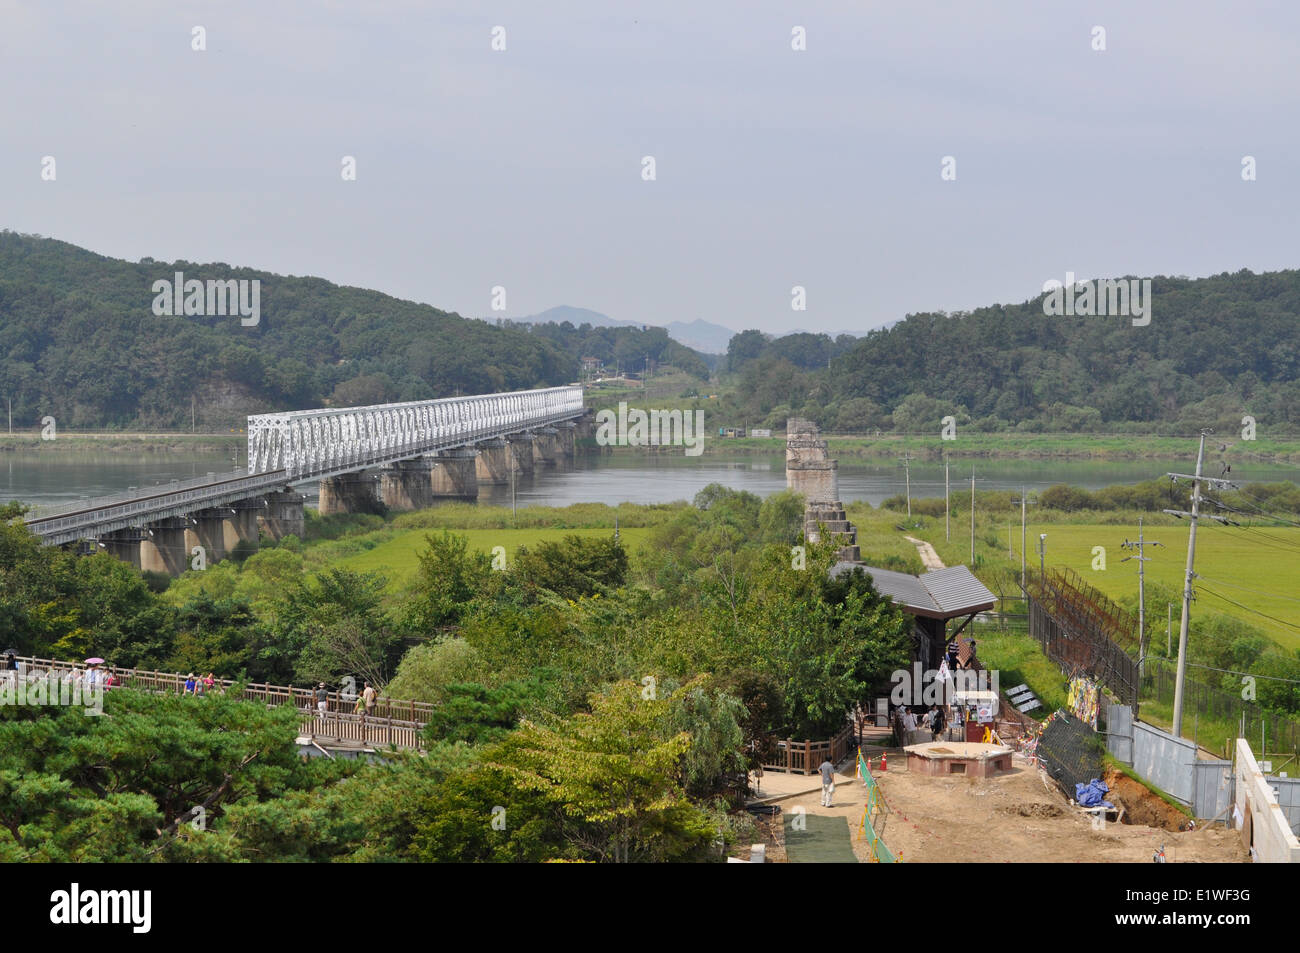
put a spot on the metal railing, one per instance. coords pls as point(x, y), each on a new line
point(312, 443)
point(391, 718)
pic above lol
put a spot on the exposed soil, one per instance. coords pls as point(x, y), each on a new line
point(1015, 817)
point(1141, 805)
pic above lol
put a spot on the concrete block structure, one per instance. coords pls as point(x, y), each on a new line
point(407, 484)
point(810, 471)
point(808, 468)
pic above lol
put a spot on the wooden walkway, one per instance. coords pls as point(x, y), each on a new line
point(393, 722)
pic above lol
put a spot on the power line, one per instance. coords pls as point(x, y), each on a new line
point(1233, 602)
point(1228, 671)
point(1258, 592)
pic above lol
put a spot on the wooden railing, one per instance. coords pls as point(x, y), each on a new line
point(392, 721)
point(803, 757)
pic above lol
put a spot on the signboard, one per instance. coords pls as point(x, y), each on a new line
point(756, 432)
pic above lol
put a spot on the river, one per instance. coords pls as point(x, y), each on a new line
point(51, 478)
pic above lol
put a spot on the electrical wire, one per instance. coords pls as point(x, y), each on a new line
point(1233, 602)
point(1258, 592)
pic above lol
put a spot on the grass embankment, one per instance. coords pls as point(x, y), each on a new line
point(398, 558)
point(369, 544)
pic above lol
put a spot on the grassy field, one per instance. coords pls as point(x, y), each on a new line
point(1230, 561)
point(1255, 567)
point(397, 558)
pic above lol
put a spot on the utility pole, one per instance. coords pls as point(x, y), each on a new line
point(1042, 557)
point(1023, 501)
point(972, 518)
point(907, 475)
point(1142, 624)
point(1169, 630)
point(1195, 514)
point(947, 530)
point(11, 414)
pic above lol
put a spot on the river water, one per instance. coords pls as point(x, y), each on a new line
point(51, 478)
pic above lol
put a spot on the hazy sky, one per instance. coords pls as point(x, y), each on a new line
point(522, 168)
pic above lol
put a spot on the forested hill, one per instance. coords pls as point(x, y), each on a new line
point(1215, 349)
point(79, 341)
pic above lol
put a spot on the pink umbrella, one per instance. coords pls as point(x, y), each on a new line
point(95, 661)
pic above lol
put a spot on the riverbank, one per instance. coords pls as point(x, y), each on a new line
point(1025, 446)
point(922, 447)
point(122, 441)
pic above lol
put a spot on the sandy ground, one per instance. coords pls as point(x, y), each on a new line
point(1013, 818)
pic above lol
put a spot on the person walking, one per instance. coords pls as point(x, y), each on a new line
point(936, 723)
point(322, 700)
point(369, 696)
point(828, 782)
point(189, 685)
point(208, 682)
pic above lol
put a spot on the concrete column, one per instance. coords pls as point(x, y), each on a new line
point(283, 514)
point(493, 465)
point(241, 525)
point(124, 544)
point(209, 531)
point(521, 452)
point(163, 547)
point(407, 484)
point(455, 475)
point(546, 447)
point(566, 434)
point(349, 493)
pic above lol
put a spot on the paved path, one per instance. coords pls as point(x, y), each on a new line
point(929, 558)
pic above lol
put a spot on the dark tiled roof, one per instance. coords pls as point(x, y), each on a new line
point(939, 594)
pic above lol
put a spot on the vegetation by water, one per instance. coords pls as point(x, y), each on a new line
point(609, 702)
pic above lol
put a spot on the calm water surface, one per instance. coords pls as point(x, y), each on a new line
point(52, 478)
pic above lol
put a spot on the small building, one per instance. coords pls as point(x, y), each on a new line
point(932, 599)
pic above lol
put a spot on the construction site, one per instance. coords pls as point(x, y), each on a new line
point(987, 773)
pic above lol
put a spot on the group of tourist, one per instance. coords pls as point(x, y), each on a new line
point(934, 721)
point(199, 686)
point(95, 675)
point(365, 701)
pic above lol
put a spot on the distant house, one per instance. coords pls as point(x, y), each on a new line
point(592, 366)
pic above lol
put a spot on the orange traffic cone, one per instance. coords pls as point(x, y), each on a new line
point(884, 765)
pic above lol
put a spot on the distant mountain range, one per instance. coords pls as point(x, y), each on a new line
point(699, 335)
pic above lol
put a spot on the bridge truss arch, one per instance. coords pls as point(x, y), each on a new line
point(311, 443)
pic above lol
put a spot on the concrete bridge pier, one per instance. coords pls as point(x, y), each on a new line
point(566, 434)
point(349, 493)
point(546, 447)
point(283, 514)
point(124, 544)
point(455, 475)
point(163, 547)
point(241, 525)
point(494, 462)
point(521, 453)
point(208, 530)
point(407, 484)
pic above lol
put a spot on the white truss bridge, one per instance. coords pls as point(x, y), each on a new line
point(303, 445)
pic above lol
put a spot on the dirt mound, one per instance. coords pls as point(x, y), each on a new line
point(1141, 804)
point(1036, 809)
